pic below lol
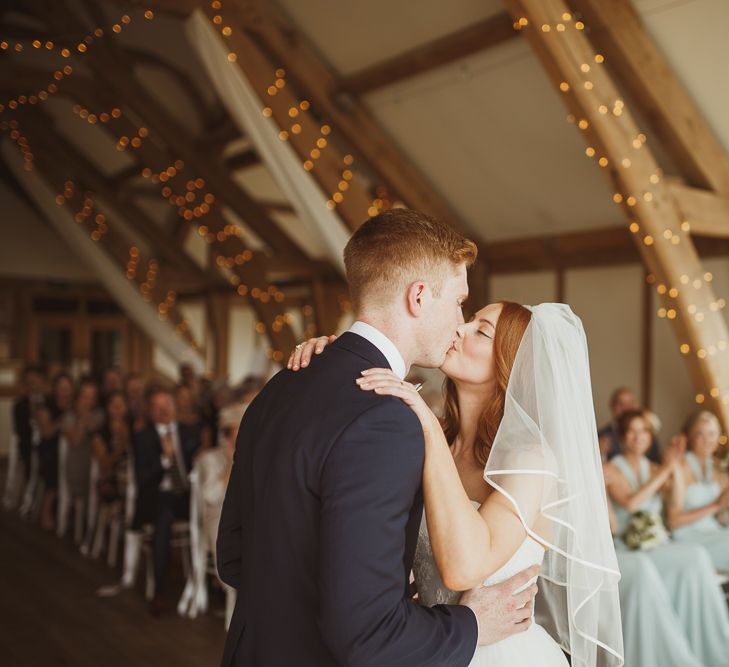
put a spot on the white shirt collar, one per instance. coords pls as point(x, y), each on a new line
point(164, 429)
point(383, 344)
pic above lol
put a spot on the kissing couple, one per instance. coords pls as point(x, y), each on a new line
point(323, 517)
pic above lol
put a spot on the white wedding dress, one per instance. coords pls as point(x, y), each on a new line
point(527, 649)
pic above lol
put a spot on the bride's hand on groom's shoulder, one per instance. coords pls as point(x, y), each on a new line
point(384, 381)
point(303, 352)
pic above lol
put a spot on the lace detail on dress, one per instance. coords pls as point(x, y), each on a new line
point(431, 590)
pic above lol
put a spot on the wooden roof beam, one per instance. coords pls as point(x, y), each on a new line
point(116, 248)
point(43, 134)
point(248, 158)
point(607, 246)
point(667, 250)
point(706, 212)
point(442, 51)
point(618, 33)
point(315, 79)
point(114, 70)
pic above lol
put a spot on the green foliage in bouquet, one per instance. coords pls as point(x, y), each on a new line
point(644, 531)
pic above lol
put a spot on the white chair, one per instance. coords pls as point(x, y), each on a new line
point(194, 599)
point(132, 538)
point(179, 539)
point(92, 508)
point(33, 494)
point(65, 500)
point(13, 478)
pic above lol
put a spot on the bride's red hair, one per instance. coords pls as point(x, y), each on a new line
point(510, 328)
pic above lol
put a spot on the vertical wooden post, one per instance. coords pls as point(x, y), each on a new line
point(218, 331)
point(618, 145)
point(646, 348)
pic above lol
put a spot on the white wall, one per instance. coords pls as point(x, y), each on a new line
point(247, 348)
point(673, 392)
point(609, 301)
point(527, 288)
point(25, 236)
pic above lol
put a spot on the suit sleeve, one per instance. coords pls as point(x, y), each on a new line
point(147, 468)
point(368, 485)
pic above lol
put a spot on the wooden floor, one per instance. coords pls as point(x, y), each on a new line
point(50, 615)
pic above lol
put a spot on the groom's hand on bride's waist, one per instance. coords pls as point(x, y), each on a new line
point(500, 611)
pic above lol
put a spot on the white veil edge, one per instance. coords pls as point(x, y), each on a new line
point(548, 429)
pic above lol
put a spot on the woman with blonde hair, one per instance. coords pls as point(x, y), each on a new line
point(701, 492)
point(637, 485)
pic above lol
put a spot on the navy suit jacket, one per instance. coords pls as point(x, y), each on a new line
point(148, 470)
point(320, 523)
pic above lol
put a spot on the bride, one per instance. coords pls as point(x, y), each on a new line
point(512, 478)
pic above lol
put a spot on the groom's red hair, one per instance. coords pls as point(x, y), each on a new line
point(397, 247)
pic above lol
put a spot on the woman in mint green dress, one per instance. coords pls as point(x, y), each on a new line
point(701, 492)
point(685, 569)
point(652, 632)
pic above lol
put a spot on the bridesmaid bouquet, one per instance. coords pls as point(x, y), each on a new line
point(644, 531)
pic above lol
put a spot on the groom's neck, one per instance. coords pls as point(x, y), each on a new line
point(392, 326)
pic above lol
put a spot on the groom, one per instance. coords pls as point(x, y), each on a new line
point(320, 520)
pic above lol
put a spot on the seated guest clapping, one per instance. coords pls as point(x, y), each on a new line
point(622, 400)
point(652, 631)
point(111, 449)
point(50, 418)
point(163, 455)
point(701, 491)
point(79, 426)
point(25, 410)
point(636, 487)
point(134, 393)
point(214, 470)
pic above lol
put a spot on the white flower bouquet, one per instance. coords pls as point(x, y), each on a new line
point(644, 531)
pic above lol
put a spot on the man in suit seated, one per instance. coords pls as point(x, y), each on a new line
point(163, 457)
point(25, 411)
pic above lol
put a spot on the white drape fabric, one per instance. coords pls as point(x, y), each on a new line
point(545, 460)
point(279, 157)
point(111, 276)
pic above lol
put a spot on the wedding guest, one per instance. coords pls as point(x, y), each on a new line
point(163, 455)
point(111, 381)
point(111, 446)
point(188, 378)
point(652, 632)
point(220, 397)
point(188, 413)
point(621, 400)
point(213, 468)
point(50, 420)
point(24, 412)
point(636, 484)
point(186, 405)
point(701, 492)
point(134, 392)
point(249, 388)
point(78, 426)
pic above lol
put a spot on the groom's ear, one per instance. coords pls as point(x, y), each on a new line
point(414, 298)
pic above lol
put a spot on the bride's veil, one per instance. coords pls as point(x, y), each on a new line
point(545, 456)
